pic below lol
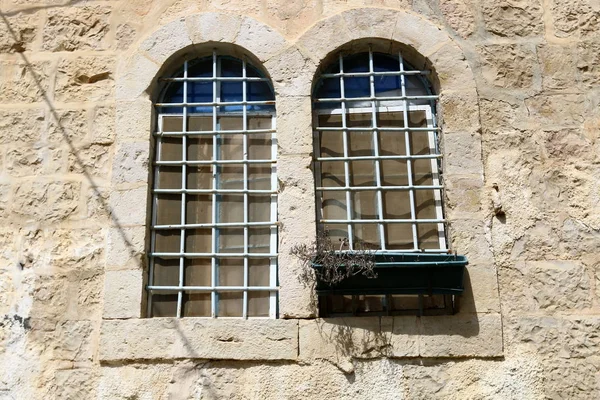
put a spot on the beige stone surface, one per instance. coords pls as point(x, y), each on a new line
point(519, 109)
point(196, 338)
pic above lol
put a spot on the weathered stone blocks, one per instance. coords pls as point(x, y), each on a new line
point(78, 28)
point(195, 338)
point(87, 78)
point(513, 18)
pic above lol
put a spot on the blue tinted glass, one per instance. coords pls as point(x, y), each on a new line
point(231, 67)
point(357, 63)
point(252, 72)
point(387, 86)
point(329, 88)
point(200, 68)
point(200, 92)
point(173, 94)
point(384, 62)
point(258, 91)
point(356, 87)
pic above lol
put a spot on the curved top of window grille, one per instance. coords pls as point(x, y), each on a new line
point(224, 82)
point(387, 72)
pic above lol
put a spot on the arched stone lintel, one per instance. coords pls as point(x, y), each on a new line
point(136, 73)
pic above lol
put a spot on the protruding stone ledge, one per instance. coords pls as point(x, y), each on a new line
point(195, 338)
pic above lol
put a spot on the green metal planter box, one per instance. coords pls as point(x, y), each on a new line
point(404, 273)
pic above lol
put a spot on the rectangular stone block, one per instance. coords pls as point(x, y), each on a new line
point(123, 292)
point(481, 288)
point(462, 154)
point(23, 82)
point(461, 335)
point(128, 207)
point(195, 338)
point(88, 78)
point(77, 28)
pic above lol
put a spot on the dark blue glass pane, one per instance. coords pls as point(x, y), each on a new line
point(201, 68)
point(231, 67)
point(328, 88)
point(231, 91)
point(259, 91)
point(357, 63)
point(357, 87)
point(384, 62)
point(387, 86)
point(252, 72)
point(173, 94)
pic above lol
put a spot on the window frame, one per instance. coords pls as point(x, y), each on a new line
point(215, 192)
point(392, 104)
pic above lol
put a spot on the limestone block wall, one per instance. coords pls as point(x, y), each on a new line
point(519, 86)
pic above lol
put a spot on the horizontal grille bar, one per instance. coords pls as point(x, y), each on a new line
point(215, 288)
point(216, 225)
point(360, 188)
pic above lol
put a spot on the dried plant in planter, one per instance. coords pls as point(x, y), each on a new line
point(324, 260)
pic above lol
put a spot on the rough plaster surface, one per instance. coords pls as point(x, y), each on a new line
point(520, 110)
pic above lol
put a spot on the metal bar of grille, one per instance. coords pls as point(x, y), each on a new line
point(218, 103)
point(373, 98)
point(211, 133)
point(368, 74)
point(359, 158)
point(217, 225)
point(213, 191)
point(219, 162)
point(214, 288)
point(361, 188)
point(218, 79)
point(386, 221)
point(215, 254)
point(379, 128)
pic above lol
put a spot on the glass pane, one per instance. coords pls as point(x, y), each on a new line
point(422, 174)
point(259, 271)
point(332, 174)
point(428, 236)
point(259, 240)
point(360, 144)
point(230, 147)
point(396, 204)
point(259, 176)
point(200, 123)
point(390, 119)
point(230, 177)
point(169, 177)
point(197, 272)
point(425, 204)
point(168, 209)
point(164, 305)
point(391, 143)
point(199, 92)
point(230, 240)
point(199, 177)
point(167, 241)
point(417, 119)
point(364, 205)
point(231, 272)
point(170, 149)
point(166, 272)
point(199, 148)
point(172, 124)
point(330, 120)
point(332, 144)
point(362, 173)
point(231, 208)
point(198, 209)
point(329, 88)
point(366, 236)
point(196, 304)
point(230, 304)
point(394, 173)
point(419, 143)
point(259, 208)
point(334, 205)
point(359, 120)
point(356, 86)
point(259, 146)
point(258, 304)
point(337, 233)
point(198, 241)
point(398, 236)
point(231, 91)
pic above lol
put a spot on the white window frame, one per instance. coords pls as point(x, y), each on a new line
point(214, 289)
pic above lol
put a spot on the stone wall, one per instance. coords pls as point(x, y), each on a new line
point(520, 107)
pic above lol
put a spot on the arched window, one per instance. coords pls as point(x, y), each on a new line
point(377, 169)
point(214, 234)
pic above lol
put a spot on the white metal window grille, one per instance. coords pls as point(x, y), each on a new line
point(213, 250)
point(377, 159)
